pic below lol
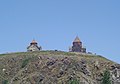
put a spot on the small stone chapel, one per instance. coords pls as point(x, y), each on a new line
point(77, 46)
point(34, 46)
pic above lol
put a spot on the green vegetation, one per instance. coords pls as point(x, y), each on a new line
point(25, 62)
point(106, 77)
point(5, 82)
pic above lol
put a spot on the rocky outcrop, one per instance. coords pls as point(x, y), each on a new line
point(115, 74)
point(51, 67)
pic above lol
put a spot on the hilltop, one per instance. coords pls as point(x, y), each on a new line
point(53, 67)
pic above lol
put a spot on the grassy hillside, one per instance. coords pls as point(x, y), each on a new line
point(51, 67)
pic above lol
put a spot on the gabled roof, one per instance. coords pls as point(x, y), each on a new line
point(77, 39)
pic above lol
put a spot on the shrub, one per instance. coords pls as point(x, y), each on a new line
point(106, 77)
point(5, 82)
point(25, 62)
point(74, 81)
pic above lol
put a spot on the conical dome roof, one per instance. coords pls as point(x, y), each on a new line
point(77, 39)
point(33, 41)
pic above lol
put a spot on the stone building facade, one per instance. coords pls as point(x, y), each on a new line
point(77, 46)
point(34, 46)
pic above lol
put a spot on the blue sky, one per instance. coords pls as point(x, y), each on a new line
point(55, 24)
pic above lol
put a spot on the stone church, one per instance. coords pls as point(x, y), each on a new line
point(34, 46)
point(77, 46)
